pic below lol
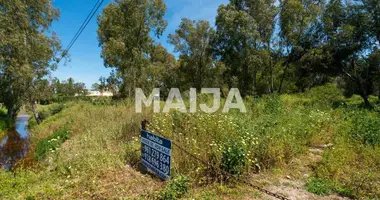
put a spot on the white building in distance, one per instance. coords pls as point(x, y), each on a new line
point(94, 93)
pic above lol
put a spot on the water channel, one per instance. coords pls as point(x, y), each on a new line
point(14, 145)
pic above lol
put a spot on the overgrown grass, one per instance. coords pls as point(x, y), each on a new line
point(49, 110)
point(52, 143)
point(100, 158)
point(176, 189)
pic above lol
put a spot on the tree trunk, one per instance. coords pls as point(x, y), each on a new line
point(12, 112)
point(366, 102)
point(35, 112)
point(271, 87)
point(283, 78)
point(271, 76)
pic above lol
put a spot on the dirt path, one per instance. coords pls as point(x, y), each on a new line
point(292, 184)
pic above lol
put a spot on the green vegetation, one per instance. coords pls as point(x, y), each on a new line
point(90, 145)
point(176, 189)
point(51, 143)
point(5, 123)
point(51, 110)
point(320, 186)
point(311, 83)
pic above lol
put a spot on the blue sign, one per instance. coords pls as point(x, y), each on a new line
point(156, 154)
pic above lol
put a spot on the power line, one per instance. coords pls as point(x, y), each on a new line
point(81, 29)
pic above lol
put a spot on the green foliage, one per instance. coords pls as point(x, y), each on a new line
point(102, 101)
point(5, 123)
point(50, 111)
point(328, 93)
point(319, 186)
point(233, 158)
point(353, 162)
point(3, 112)
point(52, 143)
point(175, 189)
point(124, 32)
point(193, 41)
point(365, 127)
point(31, 53)
point(326, 187)
point(274, 133)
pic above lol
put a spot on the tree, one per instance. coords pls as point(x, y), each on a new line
point(298, 23)
point(124, 35)
point(233, 44)
point(40, 91)
point(243, 42)
point(114, 82)
point(163, 71)
point(95, 87)
point(192, 40)
point(80, 89)
point(352, 46)
point(27, 53)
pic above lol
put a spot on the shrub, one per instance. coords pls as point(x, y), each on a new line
point(320, 186)
point(3, 112)
point(328, 93)
point(5, 124)
point(51, 143)
point(50, 111)
point(365, 127)
point(175, 189)
point(233, 158)
point(354, 166)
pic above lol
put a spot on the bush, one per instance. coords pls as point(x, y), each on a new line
point(354, 166)
point(50, 111)
point(3, 112)
point(233, 158)
point(175, 189)
point(320, 186)
point(52, 143)
point(365, 127)
point(328, 93)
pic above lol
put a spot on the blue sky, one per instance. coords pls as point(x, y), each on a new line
point(86, 65)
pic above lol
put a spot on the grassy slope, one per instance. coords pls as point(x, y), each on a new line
point(269, 138)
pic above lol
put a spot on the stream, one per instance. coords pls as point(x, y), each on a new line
point(14, 145)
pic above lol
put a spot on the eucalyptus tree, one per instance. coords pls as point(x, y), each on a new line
point(27, 52)
point(244, 40)
point(125, 29)
point(192, 40)
point(299, 20)
point(234, 46)
point(352, 45)
point(264, 14)
point(114, 82)
point(162, 71)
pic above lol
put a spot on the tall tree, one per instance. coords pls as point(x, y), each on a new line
point(234, 45)
point(161, 72)
point(27, 53)
point(298, 21)
point(352, 45)
point(124, 32)
point(192, 40)
point(243, 42)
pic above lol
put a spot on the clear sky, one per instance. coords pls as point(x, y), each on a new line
point(86, 64)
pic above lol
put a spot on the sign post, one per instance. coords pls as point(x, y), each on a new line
point(156, 154)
